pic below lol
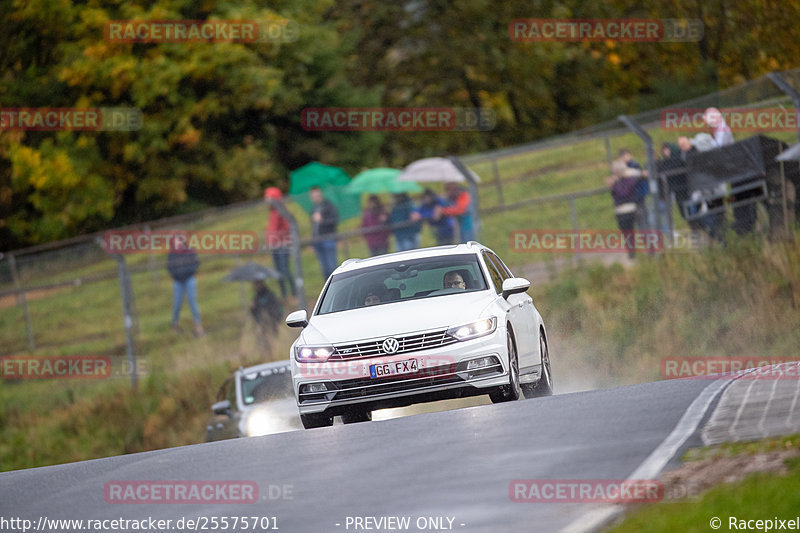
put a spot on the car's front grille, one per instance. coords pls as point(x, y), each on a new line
point(364, 387)
point(407, 343)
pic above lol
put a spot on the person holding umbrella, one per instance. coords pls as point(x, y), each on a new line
point(324, 219)
point(266, 309)
point(279, 240)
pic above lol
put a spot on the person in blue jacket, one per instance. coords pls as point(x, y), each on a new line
point(430, 210)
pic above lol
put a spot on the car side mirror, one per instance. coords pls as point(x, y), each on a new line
point(222, 408)
point(515, 286)
point(298, 319)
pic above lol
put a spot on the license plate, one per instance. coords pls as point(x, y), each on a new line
point(397, 367)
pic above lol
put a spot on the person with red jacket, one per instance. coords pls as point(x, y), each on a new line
point(461, 208)
point(279, 240)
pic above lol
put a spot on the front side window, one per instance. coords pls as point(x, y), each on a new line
point(410, 279)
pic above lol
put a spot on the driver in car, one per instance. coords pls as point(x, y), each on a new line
point(454, 280)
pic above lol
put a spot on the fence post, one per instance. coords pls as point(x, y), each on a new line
point(23, 299)
point(125, 290)
point(573, 215)
point(497, 183)
point(152, 258)
point(782, 84)
point(652, 179)
point(297, 252)
point(242, 293)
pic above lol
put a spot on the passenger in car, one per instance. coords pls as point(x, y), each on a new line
point(373, 298)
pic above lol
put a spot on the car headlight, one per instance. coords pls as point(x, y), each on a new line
point(263, 422)
point(479, 328)
point(313, 354)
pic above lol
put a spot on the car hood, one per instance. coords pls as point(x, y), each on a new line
point(396, 318)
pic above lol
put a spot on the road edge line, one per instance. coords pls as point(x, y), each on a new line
point(658, 458)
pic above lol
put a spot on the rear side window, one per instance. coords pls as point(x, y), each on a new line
point(504, 271)
point(494, 274)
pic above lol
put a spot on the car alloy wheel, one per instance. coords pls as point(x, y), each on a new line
point(512, 391)
point(543, 387)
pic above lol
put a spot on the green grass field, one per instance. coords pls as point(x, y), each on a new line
point(760, 496)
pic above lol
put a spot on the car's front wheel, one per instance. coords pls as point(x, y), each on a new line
point(356, 415)
point(512, 391)
point(543, 387)
point(316, 420)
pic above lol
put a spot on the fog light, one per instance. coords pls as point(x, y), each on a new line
point(479, 363)
point(483, 366)
point(314, 387)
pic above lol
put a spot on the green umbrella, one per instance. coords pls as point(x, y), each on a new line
point(332, 180)
point(316, 174)
point(377, 180)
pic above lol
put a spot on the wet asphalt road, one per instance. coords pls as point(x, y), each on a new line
point(454, 464)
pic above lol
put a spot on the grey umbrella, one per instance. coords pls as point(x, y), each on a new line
point(251, 271)
point(434, 169)
point(790, 154)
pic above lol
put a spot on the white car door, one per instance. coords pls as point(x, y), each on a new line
point(516, 311)
point(525, 317)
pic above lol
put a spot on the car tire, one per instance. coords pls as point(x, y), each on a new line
point(543, 387)
point(356, 415)
point(512, 391)
point(316, 420)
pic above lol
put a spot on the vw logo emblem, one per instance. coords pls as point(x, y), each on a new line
point(390, 345)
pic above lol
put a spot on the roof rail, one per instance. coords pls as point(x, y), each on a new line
point(351, 260)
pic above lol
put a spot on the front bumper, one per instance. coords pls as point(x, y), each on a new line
point(443, 374)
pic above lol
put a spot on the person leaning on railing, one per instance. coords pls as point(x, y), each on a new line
point(623, 183)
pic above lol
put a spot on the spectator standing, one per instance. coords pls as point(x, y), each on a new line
point(375, 218)
point(324, 221)
point(182, 264)
point(406, 238)
point(461, 209)
point(643, 217)
point(623, 183)
point(266, 309)
point(720, 130)
point(279, 240)
point(430, 210)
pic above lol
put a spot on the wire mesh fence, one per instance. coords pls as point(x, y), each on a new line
point(74, 296)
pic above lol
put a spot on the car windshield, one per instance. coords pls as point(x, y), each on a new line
point(409, 279)
point(266, 385)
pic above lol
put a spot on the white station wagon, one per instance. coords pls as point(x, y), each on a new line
point(417, 326)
